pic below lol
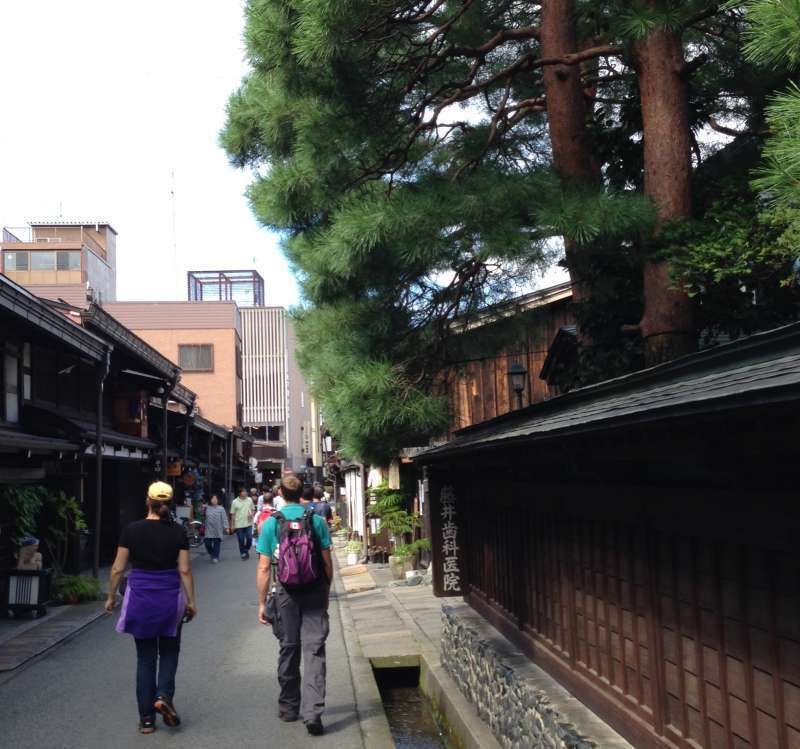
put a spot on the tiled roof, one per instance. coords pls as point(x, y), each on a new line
point(764, 368)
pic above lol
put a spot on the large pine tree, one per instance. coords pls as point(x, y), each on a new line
point(420, 157)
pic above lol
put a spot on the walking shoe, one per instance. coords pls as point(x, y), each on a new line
point(168, 712)
point(244, 556)
point(215, 561)
point(287, 717)
point(315, 728)
point(247, 555)
point(147, 725)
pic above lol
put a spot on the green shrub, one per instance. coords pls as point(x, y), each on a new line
point(71, 588)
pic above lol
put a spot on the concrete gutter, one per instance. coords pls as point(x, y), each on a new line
point(372, 719)
point(465, 729)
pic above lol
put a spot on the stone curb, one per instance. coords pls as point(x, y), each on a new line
point(38, 646)
point(372, 721)
point(466, 729)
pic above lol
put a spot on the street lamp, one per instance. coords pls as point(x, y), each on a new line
point(327, 443)
point(516, 375)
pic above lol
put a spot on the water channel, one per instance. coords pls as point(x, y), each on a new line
point(411, 718)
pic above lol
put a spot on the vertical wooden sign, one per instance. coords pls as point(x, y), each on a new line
point(447, 537)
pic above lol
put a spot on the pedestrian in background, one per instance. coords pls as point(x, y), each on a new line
point(307, 499)
point(159, 596)
point(322, 508)
point(303, 608)
point(278, 502)
point(216, 527)
point(263, 513)
point(242, 511)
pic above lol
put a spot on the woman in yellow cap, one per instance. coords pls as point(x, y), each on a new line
point(159, 596)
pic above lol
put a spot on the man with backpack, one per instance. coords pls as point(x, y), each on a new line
point(321, 506)
point(296, 564)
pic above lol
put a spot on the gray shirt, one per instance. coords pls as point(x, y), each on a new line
point(216, 521)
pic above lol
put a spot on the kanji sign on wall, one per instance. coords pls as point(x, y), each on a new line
point(446, 540)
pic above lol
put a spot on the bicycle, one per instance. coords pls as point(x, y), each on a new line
point(194, 531)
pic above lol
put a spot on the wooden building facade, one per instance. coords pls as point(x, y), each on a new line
point(478, 385)
point(638, 539)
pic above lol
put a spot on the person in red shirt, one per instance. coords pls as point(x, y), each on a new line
point(265, 513)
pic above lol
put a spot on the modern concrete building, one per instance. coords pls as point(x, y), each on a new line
point(205, 339)
point(278, 409)
point(73, 260)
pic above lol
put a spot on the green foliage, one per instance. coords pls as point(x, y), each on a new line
point(773, 40)
point(738, 264)
point(74, 588)
point(49, 515)
point(390, 508)
point(21, 508)
point(779, 178)
point(406, 551)
point(773, 35)
point(354, 547)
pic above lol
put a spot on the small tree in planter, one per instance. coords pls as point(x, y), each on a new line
point(409, 553)
point(397, 521)
point(353, 549)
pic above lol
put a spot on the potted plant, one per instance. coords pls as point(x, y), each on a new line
point(76, 588)
point(353, 549)
point(50, 519)
point(406, 556)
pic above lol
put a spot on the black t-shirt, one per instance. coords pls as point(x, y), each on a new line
point(323, 509)
point(154, 544)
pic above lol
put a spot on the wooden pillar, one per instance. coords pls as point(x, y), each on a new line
point(102, 373)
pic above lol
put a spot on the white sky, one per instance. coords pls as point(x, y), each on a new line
point(101, 101)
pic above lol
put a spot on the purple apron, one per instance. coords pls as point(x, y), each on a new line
point(154, 604)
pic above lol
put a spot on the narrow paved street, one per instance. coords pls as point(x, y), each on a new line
point(81, 694)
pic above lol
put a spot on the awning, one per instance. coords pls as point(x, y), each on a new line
point(210, 427)
point(10, 439)
point(81, 433)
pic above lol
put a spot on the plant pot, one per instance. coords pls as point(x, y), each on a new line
point(352, 558)
point(397, 567)
point(408, 565)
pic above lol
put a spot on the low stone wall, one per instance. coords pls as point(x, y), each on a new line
point(510, 693)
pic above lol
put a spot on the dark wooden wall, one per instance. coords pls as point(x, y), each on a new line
point(675, 615)
point(479, 388)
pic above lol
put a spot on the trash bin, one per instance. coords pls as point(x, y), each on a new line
point(27, 590)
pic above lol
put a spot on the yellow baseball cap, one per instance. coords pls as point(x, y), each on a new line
point(159, 490)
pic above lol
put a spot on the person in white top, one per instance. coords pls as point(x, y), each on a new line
point(278, 501)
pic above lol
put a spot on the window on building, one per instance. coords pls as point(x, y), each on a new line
point(26, 372)
point(15, 261)
point(11, 384)
point(68, 261)
point(43, 260)
point(274, 434)
point(196, 357)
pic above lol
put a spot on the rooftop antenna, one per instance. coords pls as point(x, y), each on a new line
point(174, 228)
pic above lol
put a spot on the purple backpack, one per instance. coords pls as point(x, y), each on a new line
point(298, 563)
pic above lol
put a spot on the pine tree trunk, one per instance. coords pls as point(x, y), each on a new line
point(566, 114)
point(666, 324)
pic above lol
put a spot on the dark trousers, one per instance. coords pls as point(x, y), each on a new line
point(156, 664)
point(305, 624)
point(245, 537)
point(212, 547)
